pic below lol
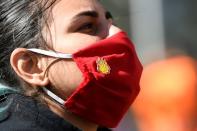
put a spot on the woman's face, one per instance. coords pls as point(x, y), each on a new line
point(75, 24)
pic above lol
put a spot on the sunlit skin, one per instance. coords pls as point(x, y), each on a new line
point(75, 25)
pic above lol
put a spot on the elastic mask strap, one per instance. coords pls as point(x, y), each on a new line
point(52, 95)
point(51, 53)
point(56, 55)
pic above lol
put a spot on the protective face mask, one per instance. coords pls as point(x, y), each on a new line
point(111, 72)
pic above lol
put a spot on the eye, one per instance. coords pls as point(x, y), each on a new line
point(89, 28)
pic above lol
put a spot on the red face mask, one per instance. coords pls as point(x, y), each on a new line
point(111, 71)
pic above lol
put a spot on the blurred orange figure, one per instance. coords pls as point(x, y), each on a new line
point(167, 101)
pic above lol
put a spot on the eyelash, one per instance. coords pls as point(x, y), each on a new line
point(91, 27)
point(88, 28)
point(88, 25)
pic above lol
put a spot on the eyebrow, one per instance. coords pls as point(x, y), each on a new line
point(87, 13)
point(76, 18)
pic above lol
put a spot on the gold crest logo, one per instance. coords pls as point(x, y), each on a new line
point(102, 66)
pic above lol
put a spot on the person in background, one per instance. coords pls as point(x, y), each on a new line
point(64, 66)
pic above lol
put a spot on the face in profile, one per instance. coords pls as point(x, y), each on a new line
point(75, 25)
point(81, 30)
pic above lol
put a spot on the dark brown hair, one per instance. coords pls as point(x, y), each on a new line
point(21, 24)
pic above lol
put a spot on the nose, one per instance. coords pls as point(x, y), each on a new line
point(113, 30)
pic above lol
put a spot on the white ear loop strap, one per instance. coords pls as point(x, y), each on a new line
point(52, 95)
point(51, 53)
point(56, 55)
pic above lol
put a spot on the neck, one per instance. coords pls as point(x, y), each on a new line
point(70, 117)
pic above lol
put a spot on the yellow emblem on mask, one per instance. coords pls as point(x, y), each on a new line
point(102, 66)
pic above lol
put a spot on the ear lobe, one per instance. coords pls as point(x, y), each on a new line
point(26, 66)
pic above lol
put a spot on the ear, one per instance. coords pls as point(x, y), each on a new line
point(27, 66)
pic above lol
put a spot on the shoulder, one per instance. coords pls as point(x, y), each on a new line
point(25, 113)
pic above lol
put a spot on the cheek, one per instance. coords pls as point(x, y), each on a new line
point(65, 76)
point(73, 42)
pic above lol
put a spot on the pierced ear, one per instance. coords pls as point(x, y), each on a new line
point(27, 66)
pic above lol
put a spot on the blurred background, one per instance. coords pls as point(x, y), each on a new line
point(164, 33)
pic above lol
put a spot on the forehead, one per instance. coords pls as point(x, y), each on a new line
point(73, 7)
point(65, 10)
